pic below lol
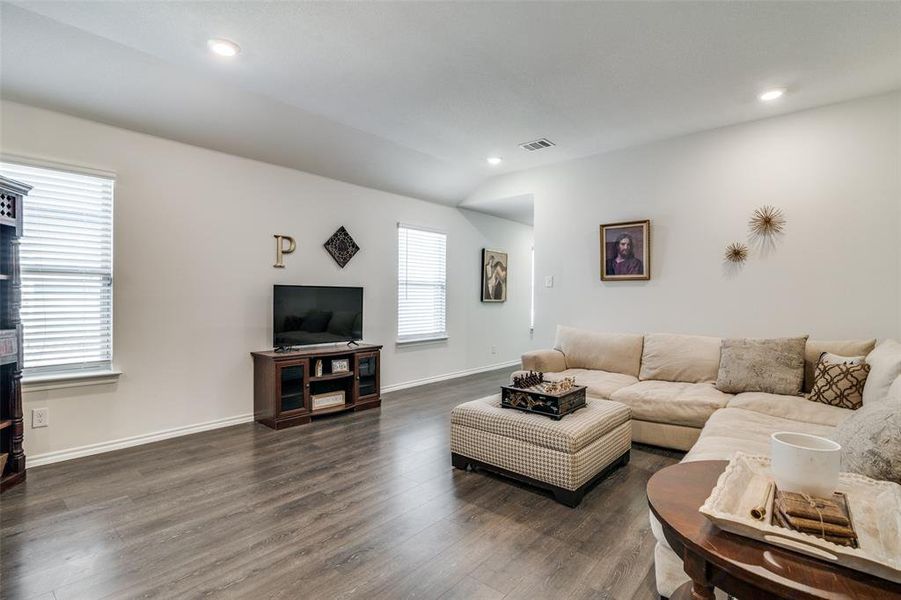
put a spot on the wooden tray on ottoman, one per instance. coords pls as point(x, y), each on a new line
point(534, 400)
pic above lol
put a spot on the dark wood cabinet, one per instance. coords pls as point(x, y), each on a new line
point(291, 388)
point(12, 427)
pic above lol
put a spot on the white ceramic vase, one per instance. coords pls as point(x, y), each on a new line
point(805, 463)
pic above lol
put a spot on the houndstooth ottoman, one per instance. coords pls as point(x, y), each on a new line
point(565, 456)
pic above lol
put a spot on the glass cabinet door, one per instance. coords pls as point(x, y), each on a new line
point(292, 386)
point(367, 375)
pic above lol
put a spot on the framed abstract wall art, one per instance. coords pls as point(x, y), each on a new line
point(626, 251)
point(494, 276)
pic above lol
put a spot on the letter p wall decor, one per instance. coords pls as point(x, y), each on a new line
point(284, 244)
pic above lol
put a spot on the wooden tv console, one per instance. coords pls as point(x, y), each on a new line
point(286, 386)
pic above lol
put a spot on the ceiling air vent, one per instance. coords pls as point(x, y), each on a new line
point(540, 144)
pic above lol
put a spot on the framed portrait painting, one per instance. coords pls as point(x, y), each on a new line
point(626, 251)
point(494, 276)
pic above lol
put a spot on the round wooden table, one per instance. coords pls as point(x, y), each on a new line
point(740, 566)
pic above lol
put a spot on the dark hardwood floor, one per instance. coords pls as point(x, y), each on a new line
point(361, 505)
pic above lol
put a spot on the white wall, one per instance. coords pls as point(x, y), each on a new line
point(834, 171)
point(193, 277)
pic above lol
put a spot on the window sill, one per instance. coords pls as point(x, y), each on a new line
point(428, 340)
point(38, 383)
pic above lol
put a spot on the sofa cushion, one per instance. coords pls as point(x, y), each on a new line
point(814, 348)
point(790, 407)
point(600, 384)
point(613, 352)
point(679, 403)
point(775, 366)
point(731, 429)
point(687, 358)
point(546, 361)
point(885, 367)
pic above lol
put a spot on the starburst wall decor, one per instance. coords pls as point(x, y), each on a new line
point(736, 252)
point(767, 221)
point(341, 246)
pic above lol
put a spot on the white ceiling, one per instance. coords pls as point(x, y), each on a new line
point(411, 97)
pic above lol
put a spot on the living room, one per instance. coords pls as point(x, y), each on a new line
point(621, 193)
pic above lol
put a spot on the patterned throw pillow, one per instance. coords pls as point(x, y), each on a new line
point(775, 366)
point(871, 440)
point(839, 381)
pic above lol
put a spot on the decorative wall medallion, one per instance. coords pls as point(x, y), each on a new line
point(281, 248)
point(736, 252)
point(341, 246)
point(767, 221)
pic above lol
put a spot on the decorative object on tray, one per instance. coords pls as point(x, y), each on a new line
point(341, 246)
point(736, 252)
point(874, 505)
point(327, 399)
point(555, 399)
point(558, 387)
point(762, 510)
point(494, 275)
point(804, 463)
point(767, 221)
point(318, 368)
point(626, 251)
point(825, 518)
point(340, 365)
point(528, 379)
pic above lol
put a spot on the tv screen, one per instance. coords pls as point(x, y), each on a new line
point(306, 314)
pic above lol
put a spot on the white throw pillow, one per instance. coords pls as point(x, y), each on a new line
point(894, 392)
point(835, 359)
point(885, 367)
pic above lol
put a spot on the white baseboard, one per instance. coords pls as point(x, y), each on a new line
point(137, 440)
point(417, 382)
point(146, 438)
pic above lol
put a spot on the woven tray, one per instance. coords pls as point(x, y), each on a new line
point(875, 506)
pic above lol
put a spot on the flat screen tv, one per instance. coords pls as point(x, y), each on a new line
point(308, 314)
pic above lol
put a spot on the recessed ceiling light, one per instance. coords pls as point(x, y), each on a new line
point(770, 95)
point(223, 47)
point(494, 160)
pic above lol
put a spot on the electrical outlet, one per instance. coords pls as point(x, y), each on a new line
point(493, 350)
point(40, 417)
point(549, 281)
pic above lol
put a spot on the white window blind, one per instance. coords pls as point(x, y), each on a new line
point(532, 293)
point(421, 284)
point(67, 270)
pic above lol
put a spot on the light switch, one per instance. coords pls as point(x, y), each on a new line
point(548, 281)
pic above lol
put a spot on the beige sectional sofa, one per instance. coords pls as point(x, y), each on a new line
point(669, 383)
point(667, 380)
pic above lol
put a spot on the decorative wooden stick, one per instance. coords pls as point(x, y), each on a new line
point(759, 512)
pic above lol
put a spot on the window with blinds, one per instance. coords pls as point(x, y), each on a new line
point(66, 258)
point(421, 284)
